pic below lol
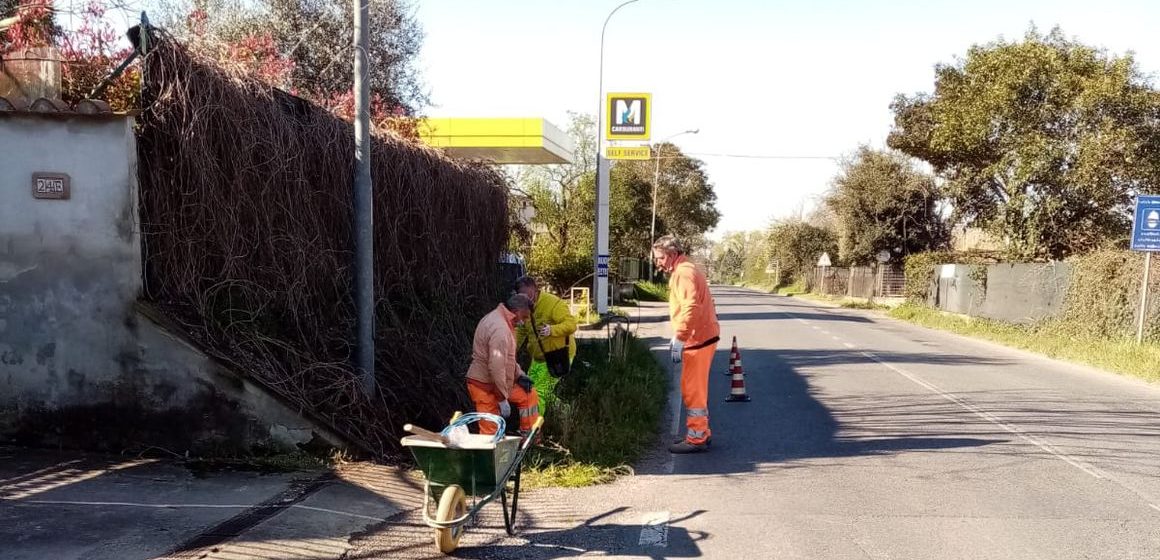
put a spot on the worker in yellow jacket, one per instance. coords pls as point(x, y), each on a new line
point(552, 329)
point(695, 336)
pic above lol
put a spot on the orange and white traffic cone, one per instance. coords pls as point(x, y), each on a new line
point(737, 385)
point(734, 358)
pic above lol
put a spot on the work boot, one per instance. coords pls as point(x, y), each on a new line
point(685, 446)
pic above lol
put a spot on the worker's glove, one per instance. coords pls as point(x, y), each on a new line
point(676, 347)
point(505, 409)
point(546, 330)
point(525, 383)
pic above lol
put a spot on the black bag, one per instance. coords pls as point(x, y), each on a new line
point(558, 362)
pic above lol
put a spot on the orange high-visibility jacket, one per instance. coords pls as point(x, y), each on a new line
point(691, 309)
point(493, 352)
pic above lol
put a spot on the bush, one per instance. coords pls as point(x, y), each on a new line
point(614, 415)
point(1103, 295)
point(651, 291)
point(919, 270)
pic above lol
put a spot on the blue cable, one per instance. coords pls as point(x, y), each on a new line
point(470, 417)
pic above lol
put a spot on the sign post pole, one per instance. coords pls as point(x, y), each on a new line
point(1143, 298)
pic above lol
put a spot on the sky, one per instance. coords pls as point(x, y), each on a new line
point(809, 78)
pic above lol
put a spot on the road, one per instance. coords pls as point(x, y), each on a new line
point(867, 438)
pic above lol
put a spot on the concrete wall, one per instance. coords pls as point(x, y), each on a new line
point(79, 366)
point(1017, 293)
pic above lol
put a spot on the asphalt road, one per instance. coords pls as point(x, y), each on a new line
point(867, 438)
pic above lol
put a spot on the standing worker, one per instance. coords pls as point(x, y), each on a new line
point(549, 334)
point(494, 379)
point(695, 336)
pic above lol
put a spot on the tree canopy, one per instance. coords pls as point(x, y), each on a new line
point(1043, 142)
point(881, 202)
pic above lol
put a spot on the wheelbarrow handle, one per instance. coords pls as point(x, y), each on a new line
point(531, 435)
point(425, 434)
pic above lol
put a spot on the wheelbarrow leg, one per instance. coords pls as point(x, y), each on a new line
point(509, 520)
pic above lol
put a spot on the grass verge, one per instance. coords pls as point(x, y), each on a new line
point(651, 291)
point(1050, 339)
point(792, 290)
point(600, 419)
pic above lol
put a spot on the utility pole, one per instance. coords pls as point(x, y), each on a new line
point(600, 276)
point(364, 220)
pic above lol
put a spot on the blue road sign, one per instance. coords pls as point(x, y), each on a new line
point(1146, 225)
point(602, 266)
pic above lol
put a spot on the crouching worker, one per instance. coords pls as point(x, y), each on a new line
point(494, 380)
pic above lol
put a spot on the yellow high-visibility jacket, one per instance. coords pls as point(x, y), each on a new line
point(552, 311)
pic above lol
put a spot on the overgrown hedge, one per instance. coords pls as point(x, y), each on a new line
point(246, 215)
point(919, 269)
point(1103, 295)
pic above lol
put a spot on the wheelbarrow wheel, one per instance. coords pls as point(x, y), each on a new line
point(452, 505)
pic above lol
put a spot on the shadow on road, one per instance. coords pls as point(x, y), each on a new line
point(786, 421)
point(546, 532)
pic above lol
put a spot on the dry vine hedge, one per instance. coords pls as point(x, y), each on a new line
point(246, 214)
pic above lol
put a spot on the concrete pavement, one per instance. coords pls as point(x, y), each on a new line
point(65, 506)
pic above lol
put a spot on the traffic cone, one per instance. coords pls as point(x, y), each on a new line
point(737, 385)
point(734, 358)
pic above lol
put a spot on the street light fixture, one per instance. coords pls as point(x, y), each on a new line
point(652, 230)
point(599, 282)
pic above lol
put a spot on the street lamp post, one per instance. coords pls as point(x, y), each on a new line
point(364, 286)
point(652, 230)
point(599, 281)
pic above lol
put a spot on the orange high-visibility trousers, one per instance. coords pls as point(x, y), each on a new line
point(487, 399)
point(695, 391)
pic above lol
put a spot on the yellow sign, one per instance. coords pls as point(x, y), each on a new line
point(628, 152)
point(628, 116)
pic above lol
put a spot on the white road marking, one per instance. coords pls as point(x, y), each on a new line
point(55, 468)
point(52, 480)
point(992, 419)
point(836, 337)
point(847, 345)
point(654, 529)
point(1154, 506)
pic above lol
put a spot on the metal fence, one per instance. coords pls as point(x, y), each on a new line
point(859, 281)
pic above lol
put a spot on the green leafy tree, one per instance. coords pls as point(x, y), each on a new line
point(741, 258)
point(564, 199)
point(1042, 142)
point(314, 38)
point(795, 246)
point(880, 202)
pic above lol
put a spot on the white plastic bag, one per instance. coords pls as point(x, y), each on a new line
point(457, 436)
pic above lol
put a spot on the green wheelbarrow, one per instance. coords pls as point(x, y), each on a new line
point(477, 468)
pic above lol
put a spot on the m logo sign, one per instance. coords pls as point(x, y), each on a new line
point(628, 116)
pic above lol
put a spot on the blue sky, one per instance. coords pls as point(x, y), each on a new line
point(801, 78)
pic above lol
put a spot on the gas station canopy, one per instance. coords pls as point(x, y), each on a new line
point(499, 140)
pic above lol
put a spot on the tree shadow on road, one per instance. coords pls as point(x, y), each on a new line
point(594, 537)
point(786, 422)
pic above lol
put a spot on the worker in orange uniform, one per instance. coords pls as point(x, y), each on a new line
point(494, 379)
point(695, 337)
